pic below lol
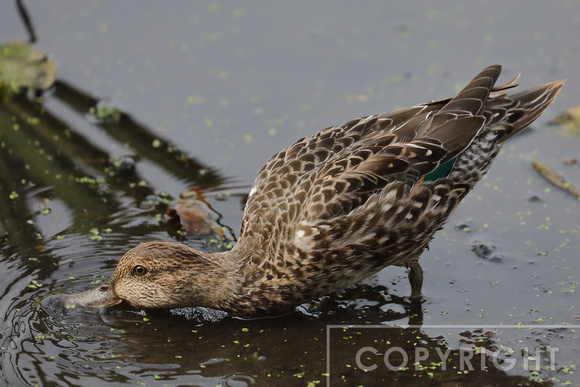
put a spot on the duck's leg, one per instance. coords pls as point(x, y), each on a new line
point(415, 279)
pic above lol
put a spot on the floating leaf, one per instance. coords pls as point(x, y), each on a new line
point(24, 66)
point(554, 177)
point(569, 120)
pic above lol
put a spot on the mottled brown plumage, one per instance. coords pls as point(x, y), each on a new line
point(337, 207)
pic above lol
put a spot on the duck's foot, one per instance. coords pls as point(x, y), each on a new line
point(415, 279)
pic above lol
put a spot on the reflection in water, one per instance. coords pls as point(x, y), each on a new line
point(45, 157)
point(200, 347)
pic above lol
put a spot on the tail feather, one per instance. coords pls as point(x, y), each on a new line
point(471, 100)
point(530, 104)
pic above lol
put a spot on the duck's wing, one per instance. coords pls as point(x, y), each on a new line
point(402, 146)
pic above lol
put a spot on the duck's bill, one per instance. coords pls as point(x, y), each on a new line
point(102, 295)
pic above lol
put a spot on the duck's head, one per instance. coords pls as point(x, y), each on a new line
point(161, 275)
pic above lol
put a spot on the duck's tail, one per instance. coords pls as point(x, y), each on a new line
point(530, 103)
point(506, 116)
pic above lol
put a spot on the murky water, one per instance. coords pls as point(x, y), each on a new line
point(201, 95)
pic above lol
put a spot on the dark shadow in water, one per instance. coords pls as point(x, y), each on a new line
point(125, 130)
point(41, 152)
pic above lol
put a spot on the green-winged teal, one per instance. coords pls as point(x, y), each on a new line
point(337, 207)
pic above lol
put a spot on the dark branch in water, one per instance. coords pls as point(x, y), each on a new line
point(27, 21)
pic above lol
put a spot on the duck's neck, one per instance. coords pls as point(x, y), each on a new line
point(255, 289)
point(243, 291)
point(225, 280)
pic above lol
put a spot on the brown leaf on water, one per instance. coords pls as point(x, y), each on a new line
point(195, 216)
point(554, 177)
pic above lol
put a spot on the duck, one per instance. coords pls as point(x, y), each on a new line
point(337, 207)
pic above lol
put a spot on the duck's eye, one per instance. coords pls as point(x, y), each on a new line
point(139, 270)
